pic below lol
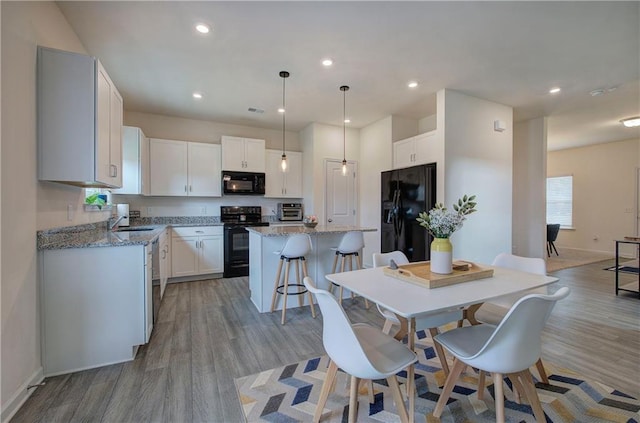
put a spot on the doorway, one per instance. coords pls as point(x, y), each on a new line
point(341, 197)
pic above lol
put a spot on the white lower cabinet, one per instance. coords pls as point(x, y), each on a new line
point(197, 250)
point(96, 306)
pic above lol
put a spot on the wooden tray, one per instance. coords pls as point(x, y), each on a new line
point(419, 273)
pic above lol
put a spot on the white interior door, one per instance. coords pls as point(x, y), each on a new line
point(340, 194)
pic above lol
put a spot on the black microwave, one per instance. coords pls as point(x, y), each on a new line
point(246, 183)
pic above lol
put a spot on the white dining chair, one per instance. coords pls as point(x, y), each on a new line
point(430, 322)
point(508, 349)
point(494, 311)
point(360, 350)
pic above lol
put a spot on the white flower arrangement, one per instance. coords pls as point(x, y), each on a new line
point(442, 223)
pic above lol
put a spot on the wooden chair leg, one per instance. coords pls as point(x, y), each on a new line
point(499, 397)
point(333, 270)
point(386, 328)
point(481, 384)
point(439, 351)
point(397, 398)
point(285, 290)
point(518, 390)
point(326, 389)
point(298, 265)
point(341, 287)
point(542, 372)
point(458, 367)
point(275, 288)
point(353, 400)
point(305, 273)
point(368, 383)
point(532, 396)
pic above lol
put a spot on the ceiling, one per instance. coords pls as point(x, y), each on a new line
point(507, 52)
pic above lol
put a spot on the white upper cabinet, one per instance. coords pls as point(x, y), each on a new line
point(416, 150)
point(243, 154)
point(281, 184)
point(205, 174)
point(135, 162)
point(180, 168)
point(79, 121)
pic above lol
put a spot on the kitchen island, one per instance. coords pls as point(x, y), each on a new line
point(266, 242)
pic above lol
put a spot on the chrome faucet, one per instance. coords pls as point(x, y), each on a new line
point(114, 224)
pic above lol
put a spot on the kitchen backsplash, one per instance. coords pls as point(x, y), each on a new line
point(151, 207)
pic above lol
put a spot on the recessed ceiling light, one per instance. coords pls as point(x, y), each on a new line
point(280, 110)
point(347, 121)
point(412, 84)
point(197, 96)
point(554, 90)
point(597, 92)
point(631, 122)
point(202, 28)
point(327, 62)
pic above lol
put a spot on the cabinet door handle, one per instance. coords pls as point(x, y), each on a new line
point(113, 171)
point(197, 244)
point(199, 232)
point(185, 188)
point(190, 188)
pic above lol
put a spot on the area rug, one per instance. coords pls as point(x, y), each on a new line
point(624, 269)
point(570, 257)
point(290, 394)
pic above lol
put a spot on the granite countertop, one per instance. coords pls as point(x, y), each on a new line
point(285, 230)
point(96, 234)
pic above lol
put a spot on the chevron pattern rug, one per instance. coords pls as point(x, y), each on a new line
point(290, 394)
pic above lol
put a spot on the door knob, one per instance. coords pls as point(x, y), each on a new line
point(330, 220)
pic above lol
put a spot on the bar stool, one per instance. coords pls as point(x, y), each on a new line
point(348, 249)
point(296, 247)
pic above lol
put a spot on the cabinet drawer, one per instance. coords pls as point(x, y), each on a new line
point(197, 231)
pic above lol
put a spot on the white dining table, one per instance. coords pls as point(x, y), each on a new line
point(409, 300)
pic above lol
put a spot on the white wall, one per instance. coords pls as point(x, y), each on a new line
point(529, 188)
point(604, 193)
point(375, 157)
point(322, 142)
point(402, 128)
point(427, 124)
point(176, 128)
point(27, 205)
point(478, 160)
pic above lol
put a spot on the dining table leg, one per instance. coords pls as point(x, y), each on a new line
point(411, 386)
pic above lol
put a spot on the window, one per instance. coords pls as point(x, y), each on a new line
point(560, 201)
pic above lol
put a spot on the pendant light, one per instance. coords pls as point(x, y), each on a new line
point(344, 90)
point(283, 163)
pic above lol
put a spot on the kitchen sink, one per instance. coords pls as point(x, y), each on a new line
point(133, 229)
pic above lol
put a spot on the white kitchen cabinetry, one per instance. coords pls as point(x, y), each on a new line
point(243, 154)
point(79, 121)
point(197, 250)
point(164, 254)
point(281, 184)
point(416, 150)
point(135, 162)
point(96, 306)
point(180, 168)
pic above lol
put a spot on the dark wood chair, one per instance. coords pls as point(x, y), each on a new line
point(552, 235)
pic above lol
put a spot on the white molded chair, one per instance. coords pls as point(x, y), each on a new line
point(349, 249)
point(430, 323)
point(295, 249)
point(508, 349)
point(493, 312)
point(360, 350)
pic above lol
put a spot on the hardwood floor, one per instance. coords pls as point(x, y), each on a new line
point(209, 333)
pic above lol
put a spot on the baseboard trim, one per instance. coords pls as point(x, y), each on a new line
point(22, 394)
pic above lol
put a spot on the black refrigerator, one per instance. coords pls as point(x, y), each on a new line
point(405, 193)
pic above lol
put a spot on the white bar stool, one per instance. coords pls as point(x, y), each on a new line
point(348, 249)
point(296, 247)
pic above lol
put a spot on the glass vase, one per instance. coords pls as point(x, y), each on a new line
point(441, 256)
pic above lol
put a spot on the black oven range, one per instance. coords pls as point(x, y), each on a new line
point(236, 237)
